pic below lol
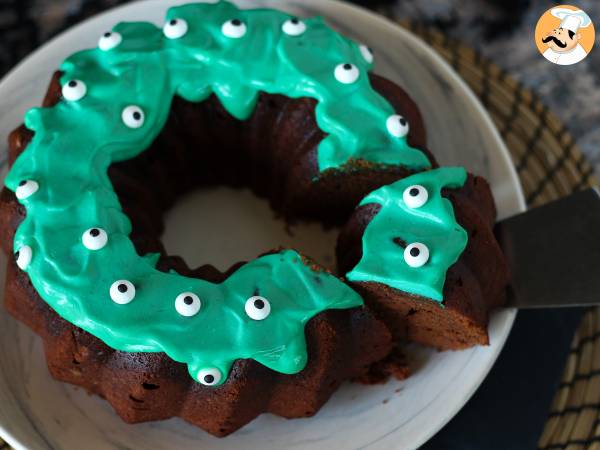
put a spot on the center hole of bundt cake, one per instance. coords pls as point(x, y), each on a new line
point(223, 225)
point(207, 183)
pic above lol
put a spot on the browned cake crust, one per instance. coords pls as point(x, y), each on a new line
point(341, 345)
point(474, 286)
point(274, 153)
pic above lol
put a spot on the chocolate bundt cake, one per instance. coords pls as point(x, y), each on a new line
point(252, 98)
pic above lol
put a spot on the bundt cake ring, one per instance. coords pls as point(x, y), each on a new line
point(243, 97)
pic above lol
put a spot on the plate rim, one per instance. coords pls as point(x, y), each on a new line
point(432, 56)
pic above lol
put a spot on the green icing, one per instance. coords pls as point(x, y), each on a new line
point(76, 141)
point(432, 224)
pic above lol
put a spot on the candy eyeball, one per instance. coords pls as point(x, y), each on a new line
point(397, 126)
point(94, 238)
point(209, 376)
point(293, 27)
point(133, 116)
point(416, 254)
point(175, 28)
point(346, 73)
point(122, 292)
point(366, 53)
point(234, 28)
point(26, 188)
point(74, 90)
point(257, 308)
point(23, 257)
point(109, 40)
point(188, 304)
point(415, 196)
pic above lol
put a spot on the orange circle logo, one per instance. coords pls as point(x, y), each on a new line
point(564, 35)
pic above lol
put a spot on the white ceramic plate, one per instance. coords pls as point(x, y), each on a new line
point(37, 412)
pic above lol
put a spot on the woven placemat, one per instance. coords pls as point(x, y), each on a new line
point(549, 166)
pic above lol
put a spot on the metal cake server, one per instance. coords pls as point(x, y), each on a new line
point(553, 252)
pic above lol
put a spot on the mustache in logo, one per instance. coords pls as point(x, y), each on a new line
point(555, 40)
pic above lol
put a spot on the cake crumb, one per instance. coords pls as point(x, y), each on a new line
point(395, 364)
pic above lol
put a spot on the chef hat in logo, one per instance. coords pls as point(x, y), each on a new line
point(571, 19)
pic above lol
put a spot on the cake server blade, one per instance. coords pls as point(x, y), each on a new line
point(553, 252)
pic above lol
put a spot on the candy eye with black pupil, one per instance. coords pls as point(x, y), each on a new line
point(416, 254)
point(257, 307)
point(109, 40)
point(133, 116)
point(209, 376)
point(293, 27)
point(397, 126)
point(26, 188)
point(346, 73)
point(122, 292)
point(74, 90)
point(94, 238)
point(23, 257)
point(415, 196)
point(175, 28)
point(234, 29)
point(188, 304)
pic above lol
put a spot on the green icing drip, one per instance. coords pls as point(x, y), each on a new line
point(76, 141)
point(432, 224)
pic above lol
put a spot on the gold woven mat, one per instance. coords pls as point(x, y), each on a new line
point(549, 166)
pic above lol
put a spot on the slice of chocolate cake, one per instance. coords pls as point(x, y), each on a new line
point(423, 255)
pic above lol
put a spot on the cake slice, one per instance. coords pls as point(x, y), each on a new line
point(443, 300)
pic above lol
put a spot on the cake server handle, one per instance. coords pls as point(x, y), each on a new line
point(553, 253)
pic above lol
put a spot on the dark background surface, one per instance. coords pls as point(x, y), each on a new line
point(500, 29)
point(509, 410)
